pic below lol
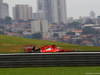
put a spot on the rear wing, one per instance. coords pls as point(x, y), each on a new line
point(29, 48)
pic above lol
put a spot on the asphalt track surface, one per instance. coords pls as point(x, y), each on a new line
point(60, 59)
point(56, 53)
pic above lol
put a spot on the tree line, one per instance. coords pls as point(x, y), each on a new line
point(6, 20)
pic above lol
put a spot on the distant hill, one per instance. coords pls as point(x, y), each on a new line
point(10, 44)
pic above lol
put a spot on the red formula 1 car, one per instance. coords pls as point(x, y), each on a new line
point(44, 49)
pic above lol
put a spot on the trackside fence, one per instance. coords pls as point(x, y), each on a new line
point(50, 59)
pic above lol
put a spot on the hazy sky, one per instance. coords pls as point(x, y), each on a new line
point(75, 8)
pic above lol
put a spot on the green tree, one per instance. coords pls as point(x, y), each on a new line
point(78, 41)
point(62, 23)
point(55, 35)
point(2, 27)
point(70, 33)
point(2, 33)
point(89, 21)
point(8, 20)
point(89, 30)
point(37, 36)
point(1, 21)
point(20, 21)
point(73, 24)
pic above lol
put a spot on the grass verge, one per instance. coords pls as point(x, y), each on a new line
point(51, 71)
point(9, 44)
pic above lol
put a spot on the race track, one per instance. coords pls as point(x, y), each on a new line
point(50, 59)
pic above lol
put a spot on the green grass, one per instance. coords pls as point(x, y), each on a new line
point(50, 71)
point(9, 44)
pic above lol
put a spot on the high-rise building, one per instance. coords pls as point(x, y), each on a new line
point(1, 1)
point(98, 20)
point(62, 11)
point(92, 14)
point(53, 10)
point(4, 9)
point(22, 12)
point(38, 15)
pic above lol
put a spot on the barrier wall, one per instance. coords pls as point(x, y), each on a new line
point(50, 59)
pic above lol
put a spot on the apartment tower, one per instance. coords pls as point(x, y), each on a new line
point(4, 9)
point(53, 10)
point(1, 1)
point(22, 12)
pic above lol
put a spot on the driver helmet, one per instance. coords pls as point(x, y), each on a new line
point(58, 47)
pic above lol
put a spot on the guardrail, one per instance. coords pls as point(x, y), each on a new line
point(50, 59)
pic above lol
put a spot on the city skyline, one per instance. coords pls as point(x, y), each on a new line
point(22, 12)
point(75, 8)
point(53, 10)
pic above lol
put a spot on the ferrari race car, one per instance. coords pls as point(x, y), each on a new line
point(45, 49)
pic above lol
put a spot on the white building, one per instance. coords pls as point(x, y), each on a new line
point(35, 26)
point(44, 26)
point(39, 26)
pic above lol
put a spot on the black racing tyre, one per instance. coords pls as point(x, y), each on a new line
point(37, 50)
point(31, 51)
